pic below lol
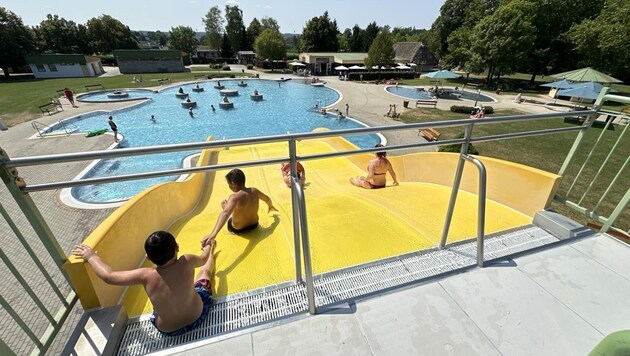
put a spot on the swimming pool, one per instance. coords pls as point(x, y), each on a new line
point(286, 107)
point(415, 94)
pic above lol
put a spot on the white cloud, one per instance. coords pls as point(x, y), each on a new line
point(267, 6)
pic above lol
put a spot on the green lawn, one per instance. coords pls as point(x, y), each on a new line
point(20, 98)
point(548, 153)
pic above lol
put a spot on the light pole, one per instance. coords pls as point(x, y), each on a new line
point(477, 99)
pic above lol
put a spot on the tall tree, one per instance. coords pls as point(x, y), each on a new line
point(603, 41)
point(270, 44)
point(343, 43)
point(355, 41)
point(270, 22)
point(320, 35)
point(183, 38)
point(502, 41)
point(253, 30)
point(369, 34)
point(57, 35)
point(234, 27)
point(213, 22)
point(107, 34)
point(16, 40)
point(381, 51)
point(226, 47)
point(553, 48)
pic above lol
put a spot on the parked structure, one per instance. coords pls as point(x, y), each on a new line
point(246, 57)
point(205, 55)
point(64, 65)
point(149, 61)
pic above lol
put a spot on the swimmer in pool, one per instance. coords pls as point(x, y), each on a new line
point(377, 169)
point(240, 210)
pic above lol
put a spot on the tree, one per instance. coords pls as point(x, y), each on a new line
point(552, 47)
point(459, 51)
point(107, 34)
point(270, 44)
point(502, 41)
point(234, 27)
point(213, 21)
point(320, 35)
point(381, 51)
point(371, 31)
point(343, 43)
point(57, 35)
point(183, 38)
point(161, 38)
point(603, 41)
point(226, 48)
point(271, 23)
point(253, 30)
point(16, 40)
point(355, 41)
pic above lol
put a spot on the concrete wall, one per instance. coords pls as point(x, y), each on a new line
point(63, 71)
point(151, 66)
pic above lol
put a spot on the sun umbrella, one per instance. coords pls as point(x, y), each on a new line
point(579, 92)
point(341, 68)
point(356, 67)
point(593, 86)
point(586, 75)
point(441, 74)
point(402, 66)
point(561, 84)
point(298, 64)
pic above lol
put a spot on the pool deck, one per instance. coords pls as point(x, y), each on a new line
point(367, 102)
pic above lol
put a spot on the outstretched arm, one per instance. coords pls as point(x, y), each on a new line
point(262, 196)
point(228, 208)
point(391, 171)
point(200, 260)
point(105, 272)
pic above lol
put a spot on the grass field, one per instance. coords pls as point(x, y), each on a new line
point(548, 153)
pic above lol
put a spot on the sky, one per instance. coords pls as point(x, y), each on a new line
point(291, 15)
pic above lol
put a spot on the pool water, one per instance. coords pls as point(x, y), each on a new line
point(286, 108)
point(415, 94)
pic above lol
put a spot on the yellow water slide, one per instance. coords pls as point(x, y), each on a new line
point(347, 225)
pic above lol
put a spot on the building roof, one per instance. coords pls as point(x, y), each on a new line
point(146, 54)
point(340, 57)
point(55, 58)
point(405, 51)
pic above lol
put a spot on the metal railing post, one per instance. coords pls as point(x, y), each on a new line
point(481, 208)
point(456, 182)
point(296, 214)
point(13, 183)
point(306, 248)
point(623, 204)
point(580, 137)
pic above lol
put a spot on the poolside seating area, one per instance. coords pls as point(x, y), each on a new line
point(51, 107)
point(430, 134)
point(426, 103)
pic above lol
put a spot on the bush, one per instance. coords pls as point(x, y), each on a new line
point(458, 148)
point(226, 67)
point(250, 66)
point(468, 109)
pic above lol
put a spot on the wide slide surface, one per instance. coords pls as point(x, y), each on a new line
point(347, 225)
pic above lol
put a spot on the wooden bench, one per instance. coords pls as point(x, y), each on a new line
point(426, 102)
point(430, 134)
point(47, 108)
point(92, 86)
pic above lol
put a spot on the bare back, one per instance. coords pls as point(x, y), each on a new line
point(246, 207)
point(377, 170)
point(170, 289)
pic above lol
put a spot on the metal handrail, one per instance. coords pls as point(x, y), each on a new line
point(481, 210)
point(298, 192)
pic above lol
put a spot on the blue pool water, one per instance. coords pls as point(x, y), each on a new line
point(285, 108)
point(413, 93)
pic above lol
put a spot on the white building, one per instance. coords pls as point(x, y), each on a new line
point(64, 65)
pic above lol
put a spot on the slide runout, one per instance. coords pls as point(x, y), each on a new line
point(348, 225)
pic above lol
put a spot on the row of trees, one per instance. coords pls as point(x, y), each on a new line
point(536, 37)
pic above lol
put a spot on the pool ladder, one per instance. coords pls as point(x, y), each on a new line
point(44, 130)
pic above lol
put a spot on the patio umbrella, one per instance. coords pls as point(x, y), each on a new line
point(441, 74)
point(579, 92)
point(297, 64)
point(593, 86)
point(356, 67)
point(561, 84)
point(402, 66)
point(341, 68)
point(586, 75)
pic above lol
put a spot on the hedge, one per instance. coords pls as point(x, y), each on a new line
point(458, 148)
point(373, 75)
point(468, 109)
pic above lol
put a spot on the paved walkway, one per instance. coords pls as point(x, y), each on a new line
point(367, 103)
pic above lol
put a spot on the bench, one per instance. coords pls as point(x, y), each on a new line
point(47, 108)
point(430, 134)
point(92, 86)
point(426, 102)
